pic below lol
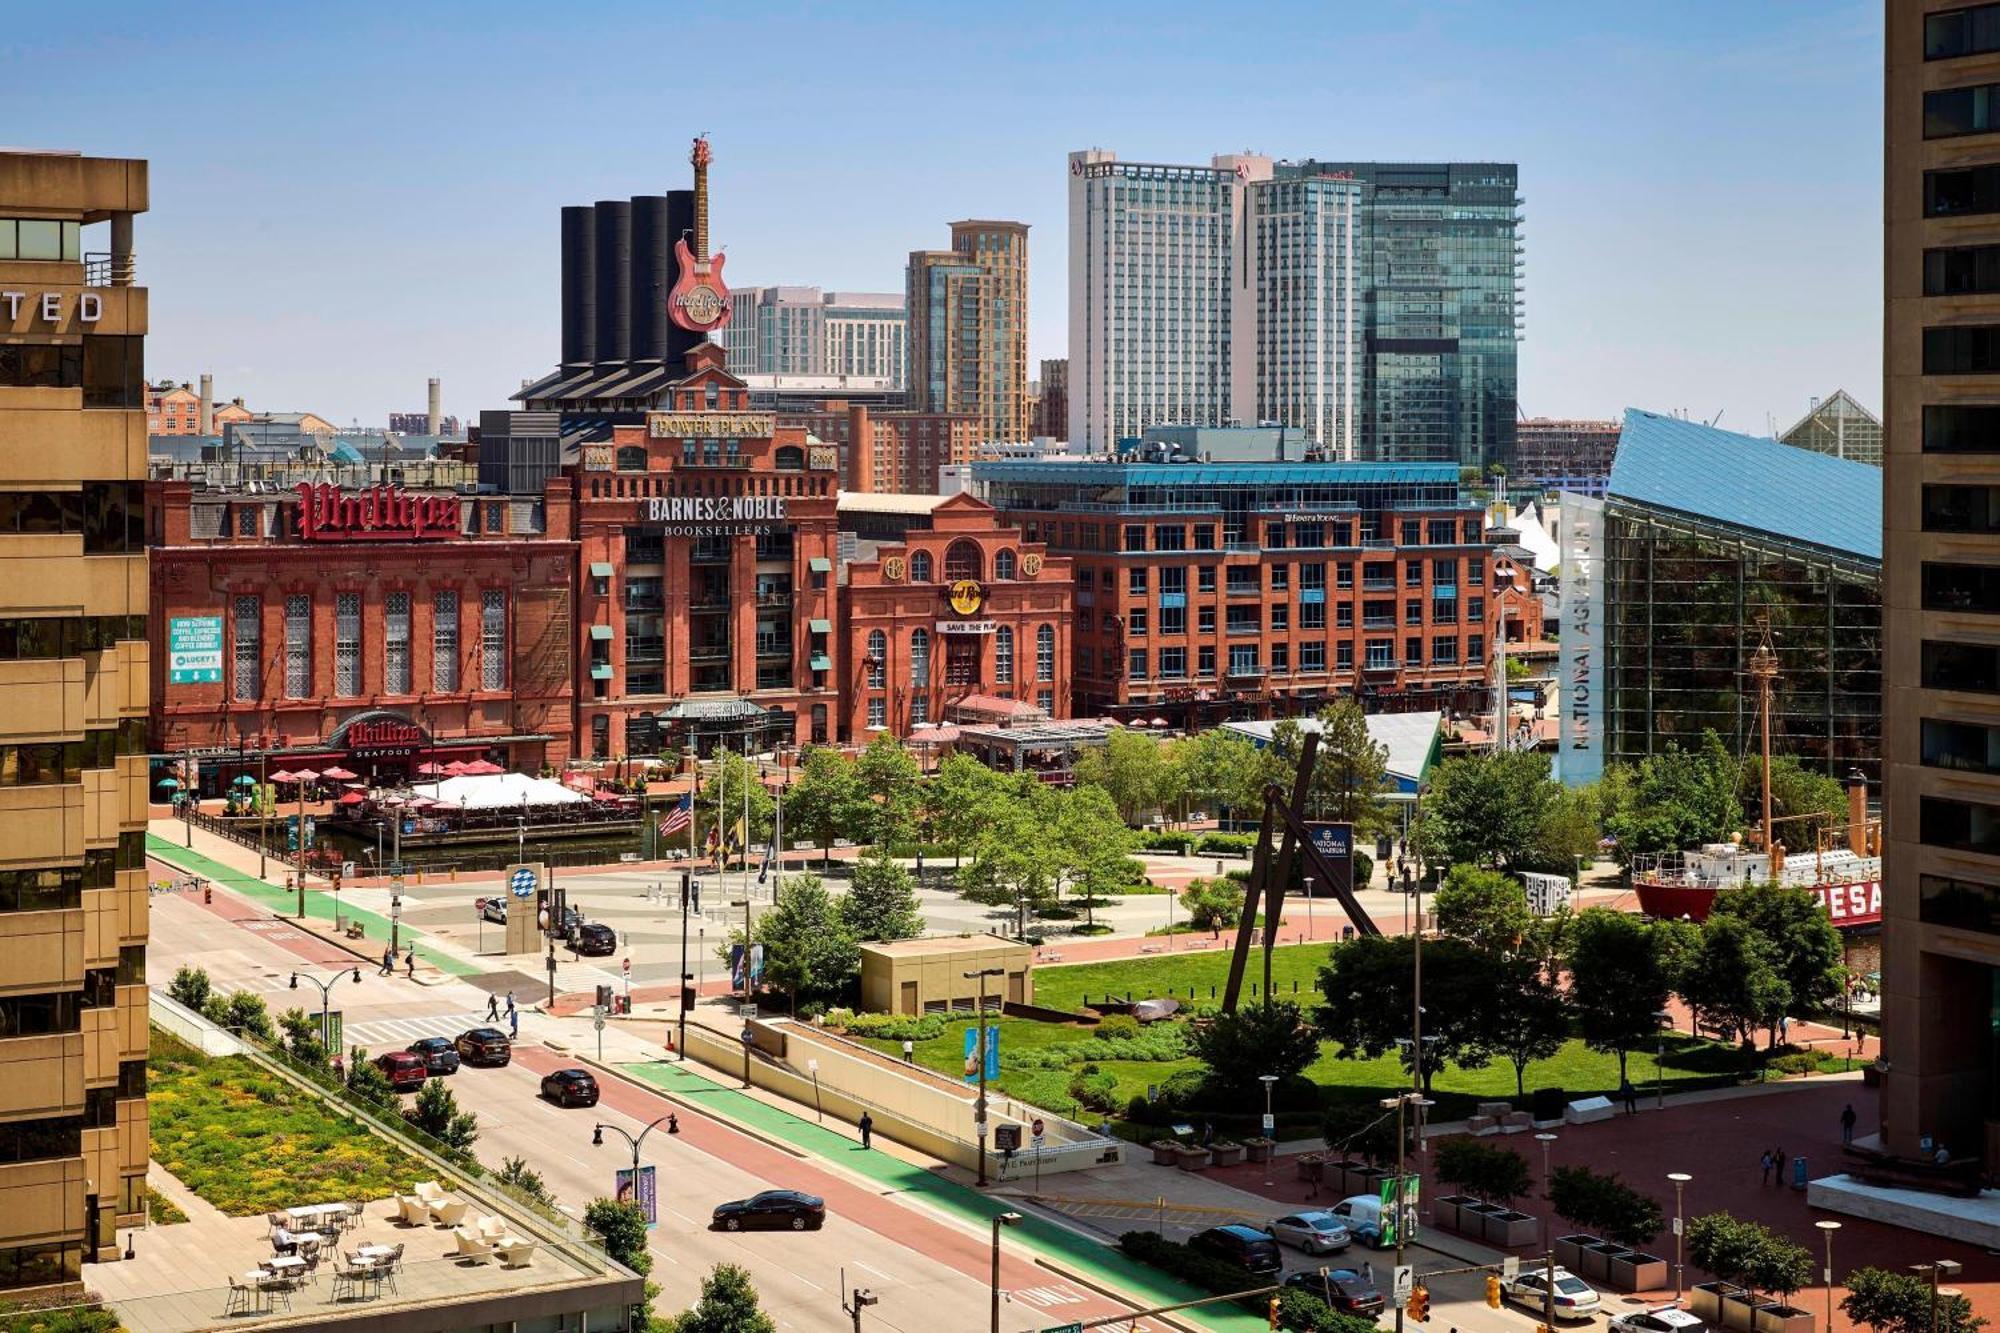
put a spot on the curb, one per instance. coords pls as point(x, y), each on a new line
point(1113, 1294)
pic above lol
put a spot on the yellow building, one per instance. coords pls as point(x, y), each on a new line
point(73, 676)
point(925, 976)
point(968, 328)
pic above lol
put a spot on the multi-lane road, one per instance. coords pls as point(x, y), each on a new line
point(928, 1271)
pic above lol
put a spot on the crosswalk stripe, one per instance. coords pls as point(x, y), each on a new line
point(386, 1031)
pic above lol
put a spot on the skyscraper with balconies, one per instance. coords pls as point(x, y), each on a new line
point(73, 686)
point(968, 328)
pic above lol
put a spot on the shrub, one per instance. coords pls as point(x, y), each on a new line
point(1225, 844)
point(1095, 1088)
point(893, 1027)
point(190, 987)
point(1118, 1027)
point(1489, 1171)
point(1048, 1089)
point(1177, 843)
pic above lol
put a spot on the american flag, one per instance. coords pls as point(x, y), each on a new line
point(678, 818)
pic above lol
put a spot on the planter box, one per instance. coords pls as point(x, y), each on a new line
point(1445, 1210)
point(1776, 1318)
point(1596, 1258)
point(1190, 1158)
point(1705, 1300)
point(1739, 1310)
point(1359, 1179)
point(1507, 1228)
point(1314, 1169)
point(1227, 1154)
point(1634, 1271)
point(1472, 1216)
point(1165, 1154)
point(1258, 1150)
point(1569, 1250)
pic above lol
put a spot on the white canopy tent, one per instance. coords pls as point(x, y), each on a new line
point(499, 791)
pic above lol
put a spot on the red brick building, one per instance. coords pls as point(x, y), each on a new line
point(963, 610)
point(340, 622)
point(898, 451)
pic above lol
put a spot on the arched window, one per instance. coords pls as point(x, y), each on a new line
point(632, 458)
point(1045, 653)
point(920, 567)
point(1003, 655)
point(789, 458)
point(878, 659)
point(1003, 564)
point(920, 657)
point(961, 561)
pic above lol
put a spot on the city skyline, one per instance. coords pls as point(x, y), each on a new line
point(426, 213)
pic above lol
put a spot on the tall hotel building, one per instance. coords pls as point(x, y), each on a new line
point(968, 333)
point(1941, 595)
point(804, 331)
point(1371, 306)
point(73, 672)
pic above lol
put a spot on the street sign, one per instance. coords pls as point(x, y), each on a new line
point(1403, 1283)
point(625, 966)
point(1007, 1138)
point(1270, 1123)
point(1038, 1128)
point(749, 1011)
point(598, 1022)
point(479, 904)
point(1510, 1267)
point(522, 883)
point(1065, 1328)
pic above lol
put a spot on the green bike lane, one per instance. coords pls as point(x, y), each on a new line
point(1099, 1264)
point(318, 903)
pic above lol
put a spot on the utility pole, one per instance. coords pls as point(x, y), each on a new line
point(686, 888)
point(863, 1298)
point(263, 808)
point(302, 851)
point(979, 1109)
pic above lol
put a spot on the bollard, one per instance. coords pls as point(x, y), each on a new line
point(420, 876)
point(454, 875)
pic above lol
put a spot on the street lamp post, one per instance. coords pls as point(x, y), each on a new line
point(1399, 1101)
point(1270, 1121)
point(1546, 1139)
point(1827, 1228)
point(1309, 906)
point(1933, 1270)
point(1680, 1179)
point(670, 1120)
point(979, 1110)
point(1003, 1219)
point(325, 1000)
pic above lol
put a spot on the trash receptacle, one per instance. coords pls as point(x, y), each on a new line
point(1798, 1173)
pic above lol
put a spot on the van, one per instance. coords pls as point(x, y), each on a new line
point(1246, 1248)
point(1362, 1215)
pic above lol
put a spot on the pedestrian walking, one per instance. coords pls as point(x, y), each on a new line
point(492, 1007)
point(410, 962)
point(388, 961)
point(1765, 1162)
point(1368, 1271)
point(1847, 1119)
point(1628, 1095)
point(867, 1126)
point(1781, 1162)
point(1207, 1132)
point(513, 1021)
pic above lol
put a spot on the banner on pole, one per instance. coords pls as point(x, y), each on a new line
point(640, 1191)
point(992, 1054)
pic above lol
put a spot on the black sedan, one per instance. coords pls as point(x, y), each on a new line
point(779, 1210)
point(484, 1046)
point(1347, 1291)
point(570, 1087)
point(592, 939)
point(440, 1056)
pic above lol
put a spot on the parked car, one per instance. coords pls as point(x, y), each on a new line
point(1361, 1214)
point(593, 939)
point(1347, 1291)
point(1247, 1248)
point(1662, 1319)
point(438, 1054)
point(1575, 1298)
point(404, 1069)
point(495, 910)
point(1316, 1231)
point(773, 1209)
point(570, 1087)
point(484, 1046)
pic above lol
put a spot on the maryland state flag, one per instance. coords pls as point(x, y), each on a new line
point(738, 834)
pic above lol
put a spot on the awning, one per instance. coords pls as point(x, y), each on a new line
point(600, 569)
point(820, 626)
point(819, 564)
point(601, 633)
point(821, 662)
point(602, 671)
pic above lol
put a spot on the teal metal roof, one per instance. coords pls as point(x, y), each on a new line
point(1220, 474)
point(1749, 482)
point(600, 569)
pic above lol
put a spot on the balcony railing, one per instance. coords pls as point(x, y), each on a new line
point(708, 652)
point(103, 269)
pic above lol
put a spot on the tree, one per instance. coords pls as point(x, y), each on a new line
point(1350, 769)
point(728, 1304)
point(365, 1081)
point(1528, 1018)
point(190, 987)
point(1258, 1039)
point(1212, 904)
point(242, 1011)
point(1486, 909)
point(1131, 769)
point(1891, 1302)
point(621, 1225)
point(1491, 1172)
point(1567, 833)
point(1676, 799)
point(881, 902)
point(1748, 1254)
point(1368, 987)
point(1362, 1129)
point(1732, 981)
point(1487, 808)
point(1618, 981)
point(1015, 862)
point(1092, 842)
point(1812, 800)
point(959, 798)
point(435, 1111)
point(1605, 1205)
point(1805, 947)
point(827, 803)
point(516, 1174)
point(809, 950)
point(302, 1041)
point(893, 781)
point(1219, 770)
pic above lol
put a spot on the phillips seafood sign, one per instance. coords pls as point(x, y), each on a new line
point(377, 514)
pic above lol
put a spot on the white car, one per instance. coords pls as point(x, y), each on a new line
point(1315, 1232)
point(1575, 1298)
point(1664, 1319)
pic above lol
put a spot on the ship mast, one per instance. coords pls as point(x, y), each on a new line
point(1763, 669)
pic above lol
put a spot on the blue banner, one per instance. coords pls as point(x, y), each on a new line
point(640, 1191)
point(992, 1055)
point(737, 977)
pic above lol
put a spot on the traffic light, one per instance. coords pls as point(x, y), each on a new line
point(1274, 1312)
point(1419, 1307)
point(1493, 1291)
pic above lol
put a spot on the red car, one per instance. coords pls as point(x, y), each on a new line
point(405, 1070)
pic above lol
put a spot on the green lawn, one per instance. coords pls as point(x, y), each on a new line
point(248, 1141)
point(1065, 985)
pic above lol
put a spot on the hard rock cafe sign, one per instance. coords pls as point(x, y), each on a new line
point(965, 596)
point(379, 514)
point(1031, 564)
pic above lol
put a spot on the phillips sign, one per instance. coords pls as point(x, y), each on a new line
point(379, 514)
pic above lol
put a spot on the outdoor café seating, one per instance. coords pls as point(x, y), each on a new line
point(412, 1211)
point(471, 1247)
point(449, 1212)
point(515, 1252)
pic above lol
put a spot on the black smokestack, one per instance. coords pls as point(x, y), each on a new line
point(652, 276)
point(680, 222)
point(579, 286)
point(614, 280)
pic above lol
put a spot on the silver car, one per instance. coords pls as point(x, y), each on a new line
point(1664, 1319)
point(1315, 1232)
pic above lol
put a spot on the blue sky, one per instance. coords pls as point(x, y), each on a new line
point(350, 197)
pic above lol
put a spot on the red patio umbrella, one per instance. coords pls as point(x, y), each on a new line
point(282, 776)
point(456, 768)
point(305, 775)
point(338, 774)
point(351, 798)
point(482, 768)
point(431, 770)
